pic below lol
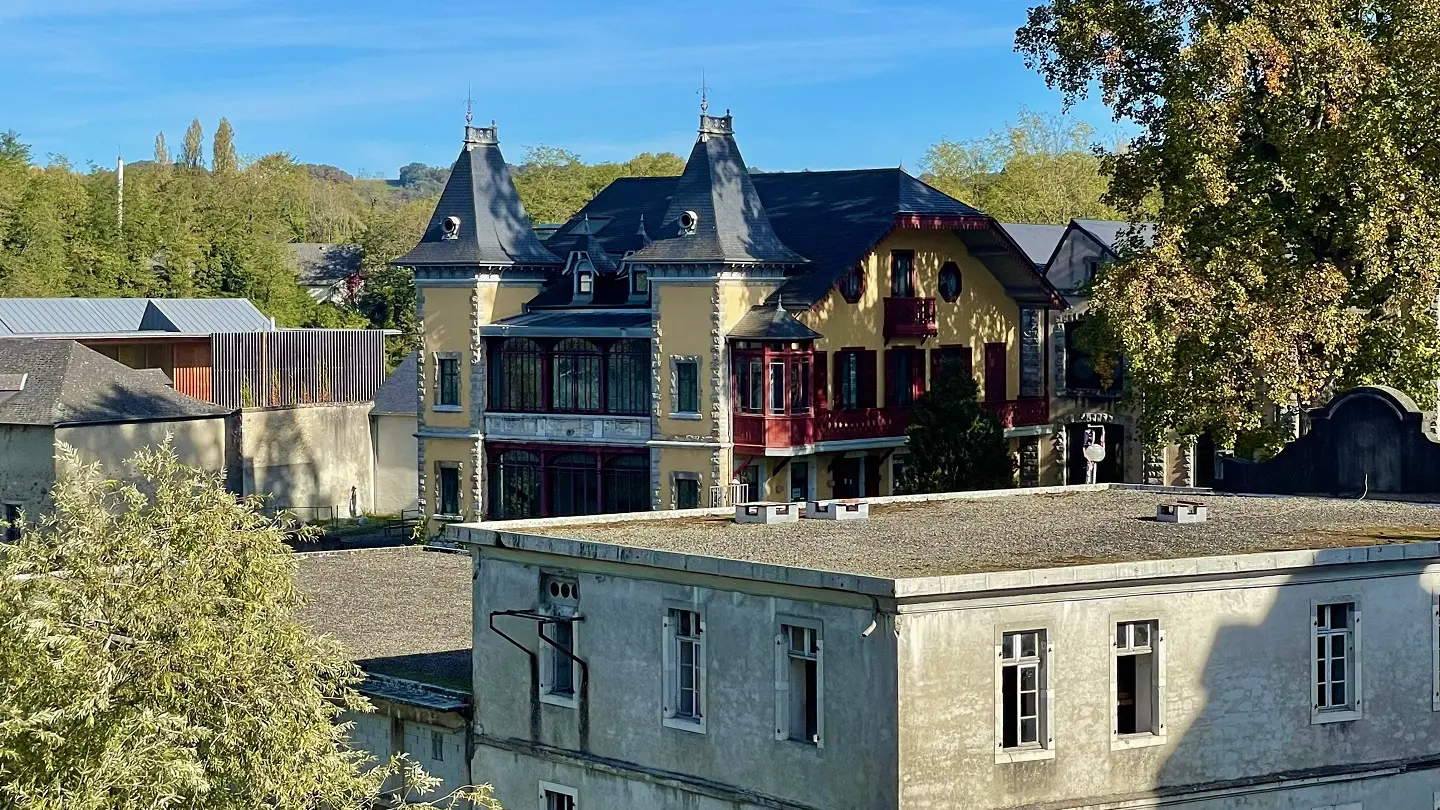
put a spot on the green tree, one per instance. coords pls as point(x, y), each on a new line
point(162, 152)
point(1042, 168)
point(152, 656)
point(193, 156)
point(955, 444)
point(1286, 148)
point(222, 151)
point(388, 298)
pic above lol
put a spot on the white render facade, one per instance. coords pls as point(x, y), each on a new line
point(1187, 682)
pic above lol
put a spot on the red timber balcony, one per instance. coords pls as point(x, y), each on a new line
point(760, 432)
point(1023, 412)
point(910, 318)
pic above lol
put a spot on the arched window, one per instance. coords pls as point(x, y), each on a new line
point(514, 485)
point(576, 376)
point(517, 376)
point(627, 383)
point(626, 484)
point(950, 282)
point(852, 284)
point(574, 483)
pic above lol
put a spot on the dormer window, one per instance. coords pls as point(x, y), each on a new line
point(584, 279)
point(639, 281)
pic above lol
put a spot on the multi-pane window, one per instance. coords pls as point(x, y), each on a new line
point(901, 385)
point(847, 380)
point(1022, 687)
point(687, 493)
point(777, 387)
point(1335, 688)
point(437, 746)
point(562, 666)
point(561, 602)
point(625, 482)
point(570, 375)
point(639, 282)
point(799, 480)
point(449, 390)
point(685, 667)
point(799, 713)
point(687, 386)
point(852, 284)
point(1137, 678)
point(750, 386)
point(902, 273)
point(627, 378)
point(553, 797)
point(10, 513)
point(449, 489)
point(799, 385)
point(576, 376)
point(518, 376)
point(515, 479)
point(573, 484)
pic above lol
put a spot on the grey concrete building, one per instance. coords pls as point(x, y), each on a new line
point(1058, 648)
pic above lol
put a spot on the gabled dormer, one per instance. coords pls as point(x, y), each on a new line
point(479, 221)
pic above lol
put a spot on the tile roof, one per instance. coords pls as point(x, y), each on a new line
point(963, 533)
point(731, 224)
point(318, 263)
point(403, 612)
point(397, 395)
point(1038, 241)
point(771, 323)
point(493, 228)
point(79, 317)
point(67, 384)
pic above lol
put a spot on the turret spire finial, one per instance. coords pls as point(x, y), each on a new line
point(469, 107)
point(704, 92)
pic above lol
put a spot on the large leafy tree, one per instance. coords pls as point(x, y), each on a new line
point(954, 443)
point(151, 657)
point(1042, 168)
point(1288, 149)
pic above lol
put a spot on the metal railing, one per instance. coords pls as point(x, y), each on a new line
point(729, 495)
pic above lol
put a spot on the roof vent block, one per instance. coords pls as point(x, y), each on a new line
point(1182, 512)
point(837, 509)
point(767, 512)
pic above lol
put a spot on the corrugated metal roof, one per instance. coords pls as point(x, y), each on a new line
point(119, 316)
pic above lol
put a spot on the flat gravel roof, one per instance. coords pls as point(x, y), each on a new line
point(404, 612)
point(1023, 531)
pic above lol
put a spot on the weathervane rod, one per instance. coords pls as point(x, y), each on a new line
point(704, 93)
point(469, 106)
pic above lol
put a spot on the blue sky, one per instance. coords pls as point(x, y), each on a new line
point(369, 85)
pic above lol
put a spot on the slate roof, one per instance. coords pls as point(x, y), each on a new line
point(494, 230)
point(397, 395)
point(771, 323)
point(82, 317)
point(68, 384)
point(319, 263)
point(1108, 231)
point(1038, 241)
point(731, 226)
point(575, 321)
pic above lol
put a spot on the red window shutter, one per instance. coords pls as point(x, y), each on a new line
point(820, 377)
point(867, 378)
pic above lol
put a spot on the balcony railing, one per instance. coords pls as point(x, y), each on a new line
point(910, 317)
point(1023, 412)
point(759, 430)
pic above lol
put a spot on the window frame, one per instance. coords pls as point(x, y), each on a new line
point(844, 384)
point(851, 285)
point(677, 387)
point(437, 745)
point(441, 466)
point(906, 289)
point(782, 679)
point(690, 477)
point(950, 270)
point(548, 656)
point(1354, 708)
point(547, 788)
point(670, 716)
point(1140, 739)
point(1045, 746)
point(438, 402)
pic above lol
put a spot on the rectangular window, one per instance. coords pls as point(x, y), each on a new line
point(685, 669)
point(449, 392)
point(10, 513)
point(449, 489)
point(1137, 678)
point(560, 663)
point(799, 480)
point(639, 282)
point(777, 387)
point(557, 797)
point(687, 386)
point(437, 746)
point(847, 380)
point(800, 385)
point(799, 710)
point(753, 387)
point(687, 493)
point(1336, 686)
point(902, 273)
point(900, 386)
point(1022, 690)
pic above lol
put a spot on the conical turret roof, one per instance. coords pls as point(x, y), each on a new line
point(730, 224)
point(479, 219)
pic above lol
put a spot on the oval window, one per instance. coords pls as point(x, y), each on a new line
point(950, 282)
point(852, 284)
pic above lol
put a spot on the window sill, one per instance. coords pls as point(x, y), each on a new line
point(1125, 742)
point(1012, 755)
point(447, 518)
point(563, 701)
point(691, 417)
point(683, 724)
point(1318, 718)
point(803, 744)
point(447, 409)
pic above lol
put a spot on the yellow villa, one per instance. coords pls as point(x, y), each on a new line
point(710, 338)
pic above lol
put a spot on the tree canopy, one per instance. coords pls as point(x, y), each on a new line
point(151, 656)
point(1286, 147)
point(1040, 169)
point(955, 444)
